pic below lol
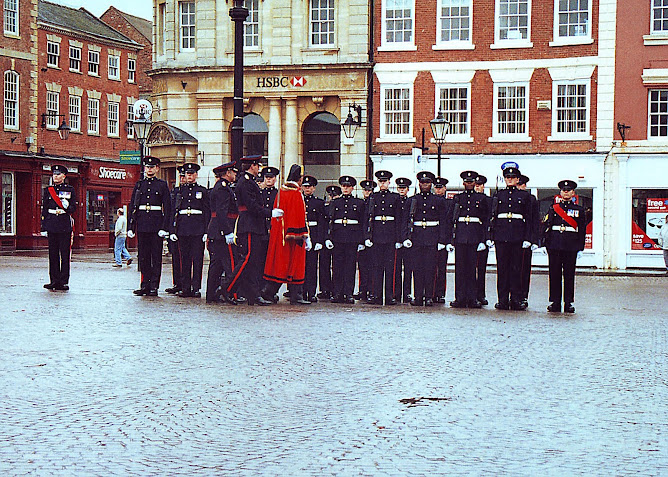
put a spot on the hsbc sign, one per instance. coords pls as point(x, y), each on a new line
point(281, 81)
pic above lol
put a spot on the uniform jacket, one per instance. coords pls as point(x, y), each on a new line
point(535, 219)
point(341, 210)
point(384, 220)
point(252, 213)
point(564, 239)
point(224, 211)
point(151, 192)
point(189, 198)
point(55, 219)
point(428, 208)
point(511, 201)
point(268, 198)
point(316, 218)
point(467, 205)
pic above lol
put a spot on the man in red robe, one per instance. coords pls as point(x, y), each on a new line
point(288, 241)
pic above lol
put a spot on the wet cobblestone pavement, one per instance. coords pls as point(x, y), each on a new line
point(96, 381)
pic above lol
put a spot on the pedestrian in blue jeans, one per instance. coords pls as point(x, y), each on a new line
point(120, 231)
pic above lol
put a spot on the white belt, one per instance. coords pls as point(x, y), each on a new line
point(383, 218)
point(190, 212)
point(564, 228)
point(149, 208)
point(468, 219)
point(510, 215)
point(57, 211)
point(312, 224)
point(346, 221)
point(427, 223)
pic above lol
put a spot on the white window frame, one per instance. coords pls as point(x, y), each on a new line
point(11, 17)
point(11, 84)
point(329, 24)
point(52, 109)
point(453, 44)
point(252, 25)
point(113, 113)
point(653, 10)
point(131, 115)
point(75, 113)
point(510, 137)
point(570, 136)
point(401, 137)
point(447, 113)
point(396, 45)
point(571, 40)
point(650, 137)
point(132, 70)
point(113, 67)
point(93, 116)
point(52, 51)
point(73, 58)
point(510, 43)
point(94, 55)
point(12, 213)
point(189, 15)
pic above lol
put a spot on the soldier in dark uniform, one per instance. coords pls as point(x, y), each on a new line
point(470, 221)
point(383, 234)
point(441, 278)
point(220, 233)
point(364, 263)
point(403, 276)
point(424, 232)
point(58, 204)
point(527, 253)
point(510, 232)
point(173, 246)
point(345, 239)
point(564, 230)
point(192, 213)
point(150, 219)
point(316, 221)
point(481, 260)
point(325, 258)
point(251, 229)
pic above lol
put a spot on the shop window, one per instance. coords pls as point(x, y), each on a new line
point(256, 134)
point(583, 197)
point(7, 206)
point(649, 211)
point(100, 209)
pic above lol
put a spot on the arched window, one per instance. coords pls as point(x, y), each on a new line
point(322, 140)
point(11, 108)
point(256, 134)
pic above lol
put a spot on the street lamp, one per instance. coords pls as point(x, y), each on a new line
point(439, 128)
point(141, 125)
point(238, 13)
point(351, 123)
point(63, 129)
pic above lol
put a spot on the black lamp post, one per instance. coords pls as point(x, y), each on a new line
point(439, 128)
point(351, 123)
point(141, 125)
point(63, 129)
point(238, 13)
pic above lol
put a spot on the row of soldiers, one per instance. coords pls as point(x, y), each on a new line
point(399, 244)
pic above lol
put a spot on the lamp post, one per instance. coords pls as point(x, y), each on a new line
point(351, 123)
point(63, 129)
point(238, 13)
point(141, 125)
point(439, 128)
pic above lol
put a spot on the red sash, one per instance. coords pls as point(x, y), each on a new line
point(564, 215)
point(55, 198)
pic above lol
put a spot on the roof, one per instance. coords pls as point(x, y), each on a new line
point(142, 25)
point(80, 20)
point(164, 133)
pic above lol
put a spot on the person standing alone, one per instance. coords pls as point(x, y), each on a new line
point(121, 232)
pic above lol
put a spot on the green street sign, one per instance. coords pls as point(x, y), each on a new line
point(130, 157)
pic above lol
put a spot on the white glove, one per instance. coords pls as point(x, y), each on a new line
point(44, 233)
point(526, 244)
point(450, 248)
point(204, 237)
point(317, 247)
point(398, 245)
point(481, 247)
point(534, 247)
point(579, 254)
point(173, 237)
point(163, 233)
point(131, 234)
point(360, 247)
point(229, 238)
point(489, 243)
point(307, 244)
point(441, 246)
point(277, 213)
point(408, 243)
point(66, 203)
point(368, 243)
point(329, 244)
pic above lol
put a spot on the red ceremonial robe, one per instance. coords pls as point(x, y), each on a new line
point(286, 254)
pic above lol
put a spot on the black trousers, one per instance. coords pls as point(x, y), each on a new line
point(247, 273)
point(325, 270)
point(509, 278)
point(423, 259)
point(466, 289)
point(562, 263)
point(175, 250)
point(527, 255)
point(383, 257)
point(192, 261)
point(221, 264)
point(344, 261)
point(441, 279)
point(403, 276)
point(366, 268)
point(481, 271)
point(59, 257)
point(149, 254)
point(311, 278)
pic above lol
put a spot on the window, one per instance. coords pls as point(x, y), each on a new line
point(132, 69)
point(322, 148)
point(396, 112)
point(114, 61)
point(162, 21)
point(52, 53)
point(11, 17)
point(659, 16)
point(398, 22)
point(131, 115)
point(322, 23)
point(75, 59)
point(252, 24)
point(512, 22)
point(101, 206)
point(52, 109)
point(572, 19)
point(7, 205)
point(570, 115)
point(649, 210)
point(187, 16)
point(455, 105)
point(454, 21)
point(511, 111)
point(256, 135)
point(75, 113)
point(658, 113)
point(93, 116)
point(11, 100)
point(93, 63)
point(112, 119)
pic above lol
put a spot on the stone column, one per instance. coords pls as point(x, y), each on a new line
point(275, 132)
point(291, 134)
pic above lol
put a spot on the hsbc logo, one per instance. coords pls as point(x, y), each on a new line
point(298, 81)
point(280, 81)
